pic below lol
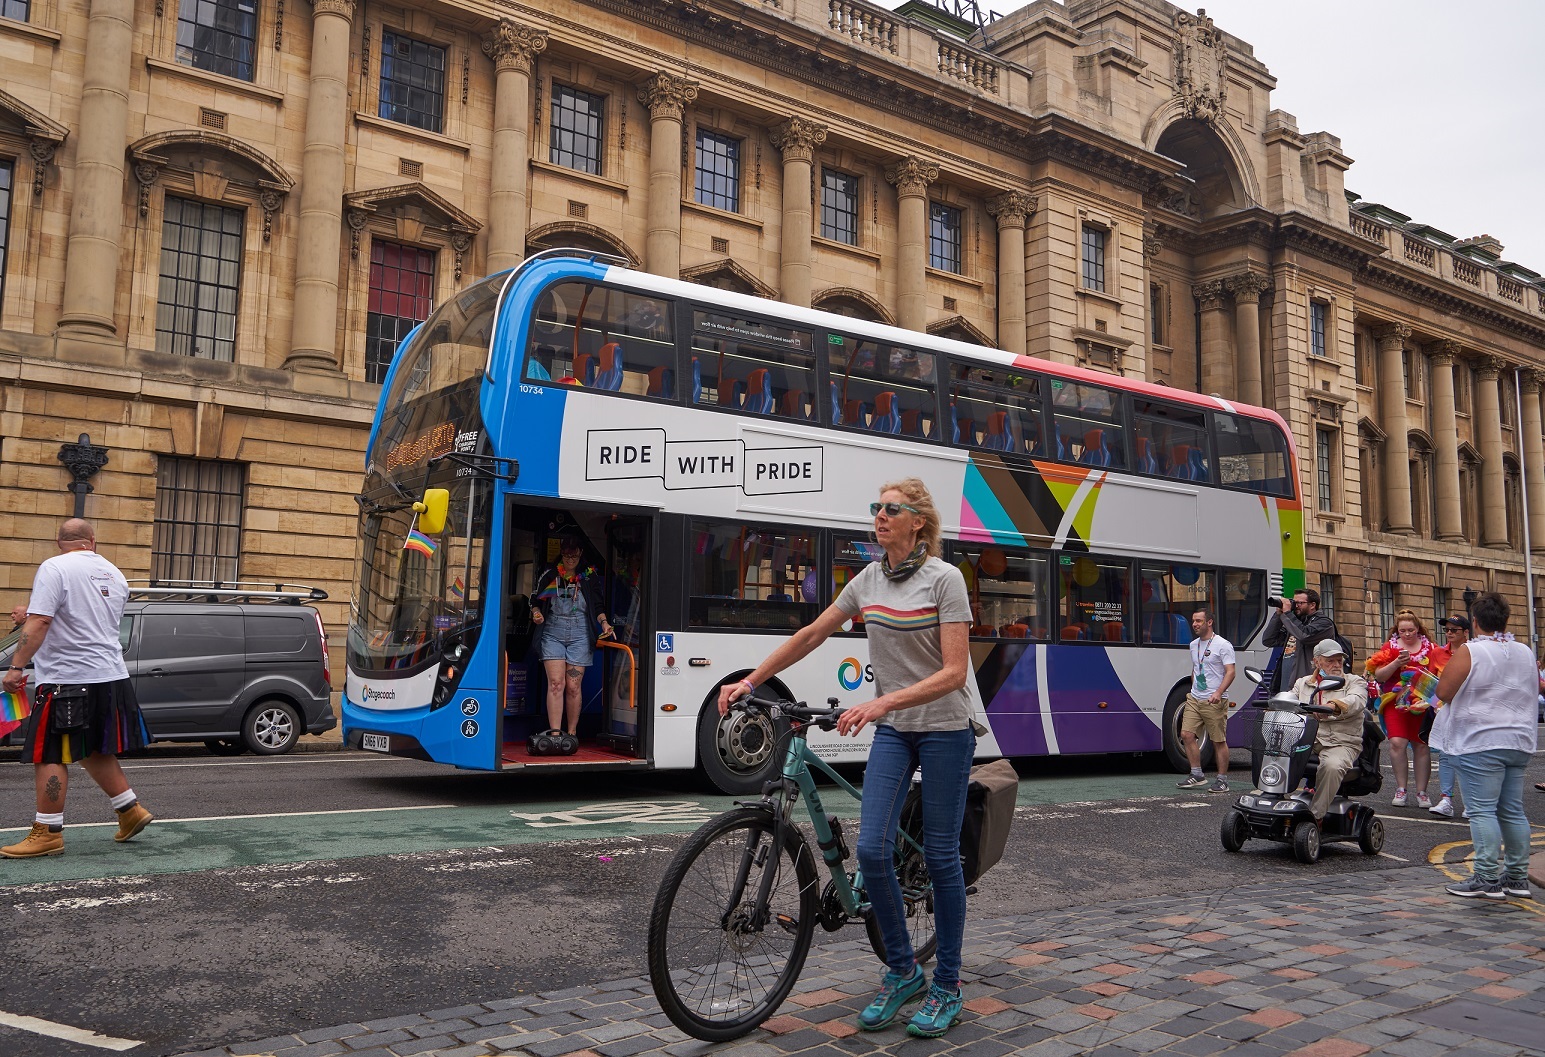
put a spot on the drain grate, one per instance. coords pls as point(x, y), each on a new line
point(1484, 1021)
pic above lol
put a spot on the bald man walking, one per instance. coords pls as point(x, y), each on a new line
point(84, 707)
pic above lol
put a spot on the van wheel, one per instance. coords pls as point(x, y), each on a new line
point(225, 746)
point(271, 728)
point(1174, 748)
point(739, 752)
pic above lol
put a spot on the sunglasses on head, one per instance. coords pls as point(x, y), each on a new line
point(891, 509)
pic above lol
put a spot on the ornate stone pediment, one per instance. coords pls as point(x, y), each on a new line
point(213, 163)
point(726, 274)
point(413, 207)
point(1201, 64)
point(959, 328)
point(43, 133)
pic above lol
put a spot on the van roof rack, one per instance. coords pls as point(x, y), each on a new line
point(221, 591)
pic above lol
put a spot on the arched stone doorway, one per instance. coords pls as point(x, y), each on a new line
point(1211, 184)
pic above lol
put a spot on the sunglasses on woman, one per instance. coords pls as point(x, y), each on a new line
point(891, 509)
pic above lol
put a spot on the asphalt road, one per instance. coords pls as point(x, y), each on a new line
point(275, 896)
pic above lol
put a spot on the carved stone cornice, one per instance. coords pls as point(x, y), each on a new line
point(911, 176)
point(798, 137)
point(1488, 367)
point(1247, 287)
point(513, 46)
point(1445, 352)
point(1209, 294)
point(1012, 209)
point(1391, 334)
point(342, 8)
point(667, 97)
point(1439, 294)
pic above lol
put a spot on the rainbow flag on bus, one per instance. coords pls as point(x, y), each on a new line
point(421, 543)
point(13, 709)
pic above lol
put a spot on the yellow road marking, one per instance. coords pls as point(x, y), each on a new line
point(1438, 858)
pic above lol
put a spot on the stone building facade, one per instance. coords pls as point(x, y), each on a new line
point(220, 216)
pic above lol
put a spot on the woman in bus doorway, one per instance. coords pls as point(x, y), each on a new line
point(566, 599)
point(916, 614)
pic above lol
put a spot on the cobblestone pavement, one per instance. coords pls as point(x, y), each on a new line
point(1383, 964)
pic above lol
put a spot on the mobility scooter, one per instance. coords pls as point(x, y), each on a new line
point(1277, 809)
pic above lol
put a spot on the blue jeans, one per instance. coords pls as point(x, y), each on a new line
point(1493, 783)
point(1445, 772)
point(945, 759)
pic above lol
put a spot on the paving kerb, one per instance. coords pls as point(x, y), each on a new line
point(1308, 967)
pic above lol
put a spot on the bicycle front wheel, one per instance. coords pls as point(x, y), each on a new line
point(916, 890)
point(719, 963)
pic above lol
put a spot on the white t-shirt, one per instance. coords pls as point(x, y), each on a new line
point(84, 594)
point(1209, 657)
point(1494, 708)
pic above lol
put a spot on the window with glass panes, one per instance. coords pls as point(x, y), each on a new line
point(20, 10)
point(943, 237)
point(839, 206)
point(412, 82)
point(1386, 608)
point(217, 36)
point(718, 171)
point(1158, 312)
point(1324, 442)
point(1094, 257)
point(197, 531)
point(1328, 595)
point(200, 279)
point(402, 285)
point(574, 139)
point(7, 178)
point(1317, 313)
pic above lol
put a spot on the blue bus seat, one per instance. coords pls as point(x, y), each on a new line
point(912, 424)
point(1180, 462)
point(584, 369)
point(962, 430)
point(1095, 452)
point(793, 405)
point(886, 418)
point(1062, 444)
point(836, 405)
point(731, 393)
point(1146, 463)
point(759, 397)
point(697, 382)
point(662, 382)
point(609, 376)
point(1198, 465)
point(856, 413)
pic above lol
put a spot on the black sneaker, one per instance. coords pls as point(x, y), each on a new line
point(1517, 887)
point(1191, 781)
point(1219, 785)
point(1476, 887)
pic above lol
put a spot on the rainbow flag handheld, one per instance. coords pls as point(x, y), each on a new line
point(459, 588)
point(14, 708)
point(421, 543)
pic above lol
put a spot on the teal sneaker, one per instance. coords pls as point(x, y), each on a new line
point(895, 992)
point(940, 1011)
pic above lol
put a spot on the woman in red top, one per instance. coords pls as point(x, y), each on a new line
point(1408, 655)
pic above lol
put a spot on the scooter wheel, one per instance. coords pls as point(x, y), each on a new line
point(1235, 831)
point(1306, 841)
point(1371, 839)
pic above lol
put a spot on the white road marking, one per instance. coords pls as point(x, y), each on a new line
point(475, 864)
point(90, 902)
point(299, 882)
point(66, 1032)
point(272, 814)
point(1184, 804)
point(638, 812)
point(1387, 855)
point(45, 887)
point(1119, 810)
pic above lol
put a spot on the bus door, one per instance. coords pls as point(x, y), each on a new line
point(628, 541)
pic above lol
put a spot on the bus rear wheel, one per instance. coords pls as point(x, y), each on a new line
point(739, 752)
point(1174, 747)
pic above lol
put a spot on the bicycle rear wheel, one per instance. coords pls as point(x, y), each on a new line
point(916, 888)
point(716, 971)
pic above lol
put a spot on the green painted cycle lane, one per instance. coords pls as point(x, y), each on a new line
point(172, 845)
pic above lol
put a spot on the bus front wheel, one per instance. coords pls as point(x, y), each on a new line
point(739, 752)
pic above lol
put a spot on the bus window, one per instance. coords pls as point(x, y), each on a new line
point(1006, 420)
point(1088, 419)
point(751, 366)
point(745, 576)
point(849, 556)
point(1244, 605)
point(1170, 441)
point(1169, 594)
point(1252, 454)
point(600, 338)
point(1095, 598)
point(881, 388)
point(1010, 591)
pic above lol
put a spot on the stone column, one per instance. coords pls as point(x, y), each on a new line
point(1012, 211)
point(1445, 440)
point(94, 249)
point(1217, 359)
point(313, 343)
point(1488, 422)
point(912, 177)
point(513, 48)
point(1392, 419)
point(1247, 289)
point(1532, 447)
point(797, 138)
point(667, 98)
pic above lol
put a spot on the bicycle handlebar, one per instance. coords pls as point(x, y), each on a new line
point(824, 718)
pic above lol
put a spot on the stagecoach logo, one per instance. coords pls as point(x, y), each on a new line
point(368, 695)
point(637, 454)
point(850, 674)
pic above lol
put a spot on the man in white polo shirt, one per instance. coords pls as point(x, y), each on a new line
point(1206, 709)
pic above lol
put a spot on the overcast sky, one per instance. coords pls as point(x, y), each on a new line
point(1438, 102)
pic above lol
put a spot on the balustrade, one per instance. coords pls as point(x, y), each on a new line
point(863, 24)
point(966, 66)
point(1418, 251)
point(1467, 272)
point(1367, 228)
point(1510, 290)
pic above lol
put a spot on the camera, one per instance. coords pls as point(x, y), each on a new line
point(1273, 601)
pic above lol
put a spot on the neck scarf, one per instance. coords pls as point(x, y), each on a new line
point(912, 564)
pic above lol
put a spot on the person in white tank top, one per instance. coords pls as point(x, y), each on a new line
point(1489, 728)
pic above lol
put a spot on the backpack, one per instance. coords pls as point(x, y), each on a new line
point(1346, 648)
point(989, 814)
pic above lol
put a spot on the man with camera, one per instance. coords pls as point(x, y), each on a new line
point(1301, 618)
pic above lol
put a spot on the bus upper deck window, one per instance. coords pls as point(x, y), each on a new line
point(598, 337)
point(1252, 454)
point(753, 366)
point(1088, 424)
point(881, 388)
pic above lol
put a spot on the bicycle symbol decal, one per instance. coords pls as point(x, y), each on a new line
point(630, 812)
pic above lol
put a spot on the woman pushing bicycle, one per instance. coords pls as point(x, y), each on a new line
point(916, 614)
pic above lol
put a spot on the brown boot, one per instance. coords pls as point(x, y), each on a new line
point(131, 820)
point(41, 841)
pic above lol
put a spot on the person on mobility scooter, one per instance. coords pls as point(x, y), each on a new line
point(1324, 712)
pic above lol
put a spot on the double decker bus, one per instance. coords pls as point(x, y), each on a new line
point(717, 453)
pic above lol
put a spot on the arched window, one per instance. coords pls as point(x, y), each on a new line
point(845, 301)
point(728, 275)
point(1423, 506)
point(581, 236)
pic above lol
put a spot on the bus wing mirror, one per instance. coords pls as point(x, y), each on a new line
point(432, 509)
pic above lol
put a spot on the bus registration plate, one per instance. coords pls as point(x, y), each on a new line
point(376, 743)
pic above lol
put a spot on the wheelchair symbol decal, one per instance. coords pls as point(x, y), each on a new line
point(636, 812)
point(665, 642)
point(469, 707)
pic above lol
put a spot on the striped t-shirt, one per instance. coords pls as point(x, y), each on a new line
point(901, 619)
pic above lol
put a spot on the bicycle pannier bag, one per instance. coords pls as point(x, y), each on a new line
point(67, 710)
point(984, 831)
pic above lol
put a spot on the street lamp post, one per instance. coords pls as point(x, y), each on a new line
point(1469, 598)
